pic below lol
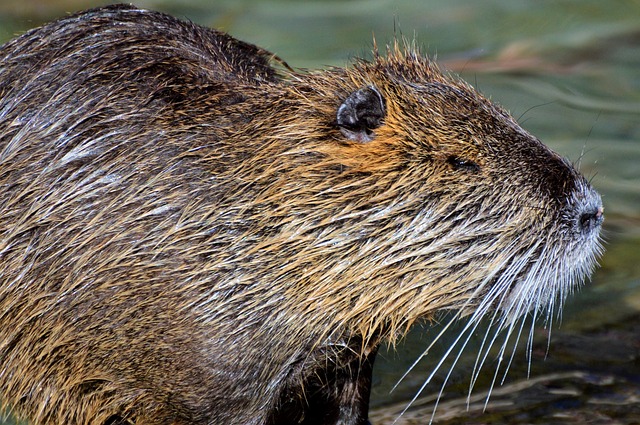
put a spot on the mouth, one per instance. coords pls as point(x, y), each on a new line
point(531, 285)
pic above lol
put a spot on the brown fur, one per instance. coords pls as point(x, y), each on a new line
point(189, 235)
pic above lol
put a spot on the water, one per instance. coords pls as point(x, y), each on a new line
point(570, 71)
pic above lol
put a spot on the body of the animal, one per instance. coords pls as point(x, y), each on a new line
point(191, 232)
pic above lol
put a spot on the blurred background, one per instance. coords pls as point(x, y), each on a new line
point(569, 71)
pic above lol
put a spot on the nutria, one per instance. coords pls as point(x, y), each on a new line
point(193, 232)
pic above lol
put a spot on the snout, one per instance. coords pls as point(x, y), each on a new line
point(590, 219)
point(589, 212)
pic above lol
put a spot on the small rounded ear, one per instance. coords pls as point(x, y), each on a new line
point(360, 113)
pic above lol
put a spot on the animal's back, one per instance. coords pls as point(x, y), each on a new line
point(106, 197)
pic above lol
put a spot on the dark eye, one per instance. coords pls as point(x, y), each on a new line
point(463, 164)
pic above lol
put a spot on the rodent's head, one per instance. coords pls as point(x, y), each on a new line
point(421, 195)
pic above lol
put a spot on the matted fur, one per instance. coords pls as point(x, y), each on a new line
point(186, 235)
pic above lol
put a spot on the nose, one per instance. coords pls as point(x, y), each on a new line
point(591, 218)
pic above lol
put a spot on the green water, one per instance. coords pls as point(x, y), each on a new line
point(570, 70)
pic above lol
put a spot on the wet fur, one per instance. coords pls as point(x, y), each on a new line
point(189, 232)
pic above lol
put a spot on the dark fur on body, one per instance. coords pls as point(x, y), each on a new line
point(190, 235)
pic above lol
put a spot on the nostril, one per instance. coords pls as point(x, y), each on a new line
point(591, 219)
